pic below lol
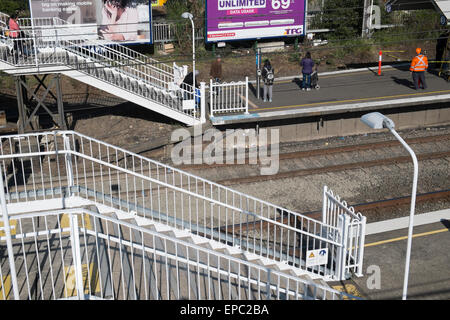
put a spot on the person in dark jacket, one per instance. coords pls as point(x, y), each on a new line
point(216, 70)
point(187, 84)
point(307, 68)
point(268, 76)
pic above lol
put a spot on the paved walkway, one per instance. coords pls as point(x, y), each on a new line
point(384, 259)
point(355, 90)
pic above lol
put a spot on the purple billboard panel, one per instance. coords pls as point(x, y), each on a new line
point(254, 19)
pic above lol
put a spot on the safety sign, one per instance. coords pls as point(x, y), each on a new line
point(316, 257)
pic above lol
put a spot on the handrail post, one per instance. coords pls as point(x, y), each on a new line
point(68, 158)
point(362, 237)
point(6, 227)
point(76, 256)
point(202, 102)
point(211, 98)
point(246, 95)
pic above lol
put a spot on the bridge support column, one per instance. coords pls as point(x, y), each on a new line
point(30, 101)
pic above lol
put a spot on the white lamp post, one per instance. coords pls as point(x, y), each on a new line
point(376, 120)
point(187, 15)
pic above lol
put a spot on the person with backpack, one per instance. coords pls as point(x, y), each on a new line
point(268, 77)
point(307, 69)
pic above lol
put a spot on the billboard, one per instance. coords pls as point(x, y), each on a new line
point(254, 19)
point(124, 21)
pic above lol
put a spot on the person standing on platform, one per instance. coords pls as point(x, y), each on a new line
point(216, 70)
point(307, 68)
point(216, 73)
point(268, 77)
point(419, 65)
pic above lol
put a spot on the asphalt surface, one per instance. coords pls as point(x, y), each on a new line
point(384, 265)
point(348, 88)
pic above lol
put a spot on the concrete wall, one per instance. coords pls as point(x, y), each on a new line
point(344, 124)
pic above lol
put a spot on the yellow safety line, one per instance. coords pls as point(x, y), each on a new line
point(354, 100)
point(406, 237)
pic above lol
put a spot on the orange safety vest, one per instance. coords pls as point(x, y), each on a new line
point(419, 63)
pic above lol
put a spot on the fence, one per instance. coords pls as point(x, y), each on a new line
point(42, 168)
point(228, 97)
point(43, 45)
point(349, 256)
point(81, 254)
point(166, 32)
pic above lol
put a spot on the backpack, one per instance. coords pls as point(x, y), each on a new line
point(269, 75)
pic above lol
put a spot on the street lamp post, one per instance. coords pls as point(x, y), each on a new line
point(187, 15)
point(376, 120)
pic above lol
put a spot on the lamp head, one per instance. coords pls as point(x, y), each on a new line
point(376, 120)
point(187, 15)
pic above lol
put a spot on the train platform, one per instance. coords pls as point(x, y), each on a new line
point(356, 90)
point(384, 259)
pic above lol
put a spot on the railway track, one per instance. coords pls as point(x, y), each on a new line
point(362, 207)
point(318, 162)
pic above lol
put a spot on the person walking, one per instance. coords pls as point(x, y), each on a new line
point(216, 73)
point(419, 65)
point(188, 86)
point(14, 34)
point(307, 65)
point(216, 70)
point(268, 77)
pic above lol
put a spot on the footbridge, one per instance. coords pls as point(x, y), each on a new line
point(49, 46)
point(82, 219)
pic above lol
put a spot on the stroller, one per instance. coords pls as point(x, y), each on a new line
point(315, 80)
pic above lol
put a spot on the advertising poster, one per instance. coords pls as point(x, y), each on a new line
point(124, 21)
point(254, 19)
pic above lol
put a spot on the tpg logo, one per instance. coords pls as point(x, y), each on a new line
point(293, 31)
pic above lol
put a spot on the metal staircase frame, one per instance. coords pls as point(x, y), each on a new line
point(113, 68)
point(65, 169)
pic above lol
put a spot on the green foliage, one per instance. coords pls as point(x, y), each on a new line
point(344, 17)
point(11, 6)
point(414, 26)
point(183, 28)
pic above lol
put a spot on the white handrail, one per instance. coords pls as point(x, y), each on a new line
point(166, 195)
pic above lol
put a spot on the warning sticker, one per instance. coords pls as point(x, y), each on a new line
point(316, 257)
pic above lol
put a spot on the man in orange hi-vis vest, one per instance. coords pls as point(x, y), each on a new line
point(418, 67)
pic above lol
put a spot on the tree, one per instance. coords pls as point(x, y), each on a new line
point(11, 6)
point(343, 17)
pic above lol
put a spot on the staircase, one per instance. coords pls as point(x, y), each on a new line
point(50, 47)
point(121, 225)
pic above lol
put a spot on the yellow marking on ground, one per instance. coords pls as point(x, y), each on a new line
point(13, 227)
point(5, 288)
point(250, 103)
point(406, 237)
point(350, 289)
point(357, 100)
point(65, 222)
point(90, 280)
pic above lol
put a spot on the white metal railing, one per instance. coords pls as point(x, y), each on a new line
point(117, 65)
point(351, 226)
point(166, 32)
point(228, 97)
point(81, 254)
point(54, 165)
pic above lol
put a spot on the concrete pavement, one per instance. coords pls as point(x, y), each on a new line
point(340, 92)
point(384, 260)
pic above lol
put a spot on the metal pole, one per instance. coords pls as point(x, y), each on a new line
point(411, 215)
point(6, 227)
point(193, 55)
